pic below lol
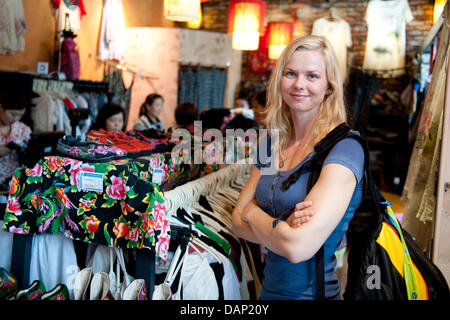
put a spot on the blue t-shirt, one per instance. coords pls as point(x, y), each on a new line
point(286, 280)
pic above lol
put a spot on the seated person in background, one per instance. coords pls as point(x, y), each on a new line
point(111, 117)
point(185, 115)
point(241, 103)
point(150, 110)
point(242, 107)
point(259, 107)
point(13, 136)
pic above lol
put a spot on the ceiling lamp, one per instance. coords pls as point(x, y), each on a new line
point(246, 23)
point(438, 8)
point(182, 10)
point(195, 24)
point(279, 35)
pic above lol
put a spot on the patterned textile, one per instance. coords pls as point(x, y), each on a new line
point(419, 192)
point(129, 213)
point(204, 87)
point(20, 133)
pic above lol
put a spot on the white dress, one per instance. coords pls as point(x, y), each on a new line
point(113, 33)
point(12, 26)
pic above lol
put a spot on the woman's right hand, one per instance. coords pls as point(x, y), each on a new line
point(4, 150)
point(300, 215)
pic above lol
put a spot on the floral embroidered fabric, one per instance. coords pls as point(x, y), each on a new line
point(50, 198)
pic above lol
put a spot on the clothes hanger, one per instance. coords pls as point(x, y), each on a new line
point(204, 246)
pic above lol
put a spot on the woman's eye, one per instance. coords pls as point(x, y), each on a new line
point(289, 74)
point(312, 76)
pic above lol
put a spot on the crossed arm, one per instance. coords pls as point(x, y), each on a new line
point(294, 238)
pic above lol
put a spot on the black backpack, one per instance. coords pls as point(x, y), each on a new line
point(384, 262)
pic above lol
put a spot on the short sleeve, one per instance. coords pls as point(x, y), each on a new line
point(408, 14)
point(348, 33)
point(349, 153)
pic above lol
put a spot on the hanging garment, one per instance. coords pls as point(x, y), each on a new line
point(419, 192)
point(338, 32)
point(121, 209)
point(113, 34)
point(197, 279)
point(386, 40)
point(12, 26)
point(46, 113)
point(19, 133)
point(70, 60)
point(186, 85)
point(204, 87)
point(75, 11)
point(6, 243)
point(121, 94)
point(53, 261)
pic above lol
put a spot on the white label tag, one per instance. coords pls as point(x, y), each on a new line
point(157, 176)
point(91, 181)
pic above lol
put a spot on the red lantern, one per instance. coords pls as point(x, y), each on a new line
point(246, 23)
point(279, 35)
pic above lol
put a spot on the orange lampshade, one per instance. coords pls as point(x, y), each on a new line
point(246, 23)
point(438, 8)
point(182, 10)
point(279, 34)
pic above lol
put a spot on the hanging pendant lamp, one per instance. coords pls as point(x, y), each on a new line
point(182, 10)
point(195, 24)
point(246, 23)
point(279, 35)
point(438, 8)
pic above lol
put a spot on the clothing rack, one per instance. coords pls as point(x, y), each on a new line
point(182, 196)
point(90, 86)
point(127, 68)
point(190, 192)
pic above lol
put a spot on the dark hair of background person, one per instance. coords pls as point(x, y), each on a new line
point(13, 102)
point(108, 110)
point(186, 113)
point(150, 99)
point(213, 118)
point(261, 97)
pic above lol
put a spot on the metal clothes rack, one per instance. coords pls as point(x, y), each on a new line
point(125, 67)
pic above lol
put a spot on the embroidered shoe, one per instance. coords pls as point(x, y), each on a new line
point(133, 147)
point(87, 150)
point(60, 292)
point(34, 292)
point(82, 280)
point(135, 291)
point(8, 283)
point(100, 287)
point(158, 145)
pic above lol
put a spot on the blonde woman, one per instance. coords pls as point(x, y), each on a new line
point(305, 102)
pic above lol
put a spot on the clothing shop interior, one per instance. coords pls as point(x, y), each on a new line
point(128, 131)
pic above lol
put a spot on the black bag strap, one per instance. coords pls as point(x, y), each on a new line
point(322, 148)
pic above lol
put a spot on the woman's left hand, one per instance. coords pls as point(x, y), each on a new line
point(301, 214)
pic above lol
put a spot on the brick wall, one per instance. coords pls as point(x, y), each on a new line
point(215, 17)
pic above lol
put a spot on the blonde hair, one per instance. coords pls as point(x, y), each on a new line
point(332, 110)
